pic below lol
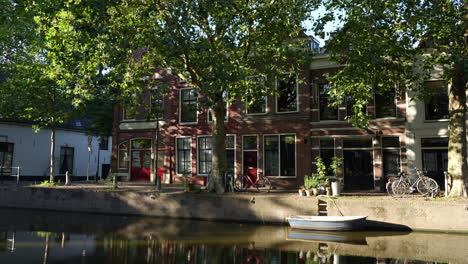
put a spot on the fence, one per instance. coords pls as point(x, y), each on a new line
point(10, 171)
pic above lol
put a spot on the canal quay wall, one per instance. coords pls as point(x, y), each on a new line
point(383, 212)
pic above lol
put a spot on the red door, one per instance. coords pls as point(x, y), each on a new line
point(141, 165)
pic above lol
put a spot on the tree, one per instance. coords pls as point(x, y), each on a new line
point(397, 44)
point(216, 45)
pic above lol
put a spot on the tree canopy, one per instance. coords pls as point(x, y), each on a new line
point(397, 44)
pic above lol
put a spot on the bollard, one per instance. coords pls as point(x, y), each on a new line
point(446, 183)
point(67, 178)
point(114, 182)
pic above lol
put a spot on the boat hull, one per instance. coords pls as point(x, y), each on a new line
point(324, 223)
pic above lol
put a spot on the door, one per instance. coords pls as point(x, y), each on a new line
point(435, 163)
point(358, 170)
point(141, 165)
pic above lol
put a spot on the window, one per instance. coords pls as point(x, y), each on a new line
point(141, 143)
point(327, 151)
point(249, 152)
point(327, 112)
point(287, 88)
point(385, 104)
point(391, 156)
point(357, 143)
point(438, 106)
point(104, 143)
point(231, 153)
point(156, 103)
point(184, 157)
point(66, 160)
point(204, 154)
point(6, 156)
point(280, 155)
point(256, 104)
point(188, 105)
point(123, 156)
point(128, 114)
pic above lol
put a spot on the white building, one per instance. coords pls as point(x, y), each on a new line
point(21, 147)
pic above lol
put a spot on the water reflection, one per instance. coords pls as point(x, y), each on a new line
point(47, 237)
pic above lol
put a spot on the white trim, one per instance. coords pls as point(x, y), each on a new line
point(180, 107)
point(318, 103)
point(176, 156)
point(128, 155)
point(123, 116)
point(162, 103)
point(249, 150)
point(198, 154)
point(266, 97)
point(297, 94)
point(279, 154)
point(235, 153)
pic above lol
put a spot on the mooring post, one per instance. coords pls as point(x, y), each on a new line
point(67, 178)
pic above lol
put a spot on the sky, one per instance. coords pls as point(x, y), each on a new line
point(328, 27)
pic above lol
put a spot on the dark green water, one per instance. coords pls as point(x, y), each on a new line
point(28, 236)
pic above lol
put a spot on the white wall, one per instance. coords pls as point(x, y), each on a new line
point(32, 150)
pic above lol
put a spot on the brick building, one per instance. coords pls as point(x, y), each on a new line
point(281, 135)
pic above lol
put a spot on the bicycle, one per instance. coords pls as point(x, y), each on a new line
point(423, 184)
point(251, 179)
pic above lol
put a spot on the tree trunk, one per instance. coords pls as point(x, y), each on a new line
point(457, 163)
point(52, 154)
point(218, 166)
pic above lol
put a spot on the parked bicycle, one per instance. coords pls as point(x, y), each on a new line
point(250, 179)
point(406, 185)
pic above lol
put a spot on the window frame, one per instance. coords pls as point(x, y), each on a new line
point(441, 91)
point(177, 156)
point(198, 154)
point(249, 150)
point(6, 169)
point(279, 154)
point(235, 152)
point(297, 94)
point(180, 107)
point(265, 96)
point(395, 102)
point(118, 155)
point(319, 105)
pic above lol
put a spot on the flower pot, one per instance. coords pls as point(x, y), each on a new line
point(301, 192)
point(328, 191)
point(307, 192)
point(336, 188)
point(315, 191)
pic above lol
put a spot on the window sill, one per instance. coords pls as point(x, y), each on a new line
point(436, 120)
point(188, 123)
point(281, 177)
point(291, 112)
point(256, 114)
point(389, 119)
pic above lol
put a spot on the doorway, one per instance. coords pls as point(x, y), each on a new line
point(140, 160)
point(435, 163)
point(358, 164)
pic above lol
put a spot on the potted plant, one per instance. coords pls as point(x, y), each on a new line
point(302, 189)
point(309, 183)
point(337, 184)
point(188, 186)
point(321, 175)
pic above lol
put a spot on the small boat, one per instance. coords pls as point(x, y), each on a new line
point(327, 223)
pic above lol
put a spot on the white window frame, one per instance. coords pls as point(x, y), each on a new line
point(279, 156)
point(266, 97)
point(177, 156)
point(242, 149)
point(235, 153)
point(297, 94)
point(318, 103)
point(180, 107)
point(73, 161)
point(395, 100)
point(198, 154)
point(128, 155)
point(123, 115)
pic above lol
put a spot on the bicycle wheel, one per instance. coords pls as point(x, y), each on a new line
point(400, 188)
point(427, 186)
point(388, 187)
point(263, 184)
point(239, 184)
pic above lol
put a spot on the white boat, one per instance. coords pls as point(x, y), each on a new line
point(327, 223)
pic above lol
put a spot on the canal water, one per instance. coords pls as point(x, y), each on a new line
point(30, 236)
